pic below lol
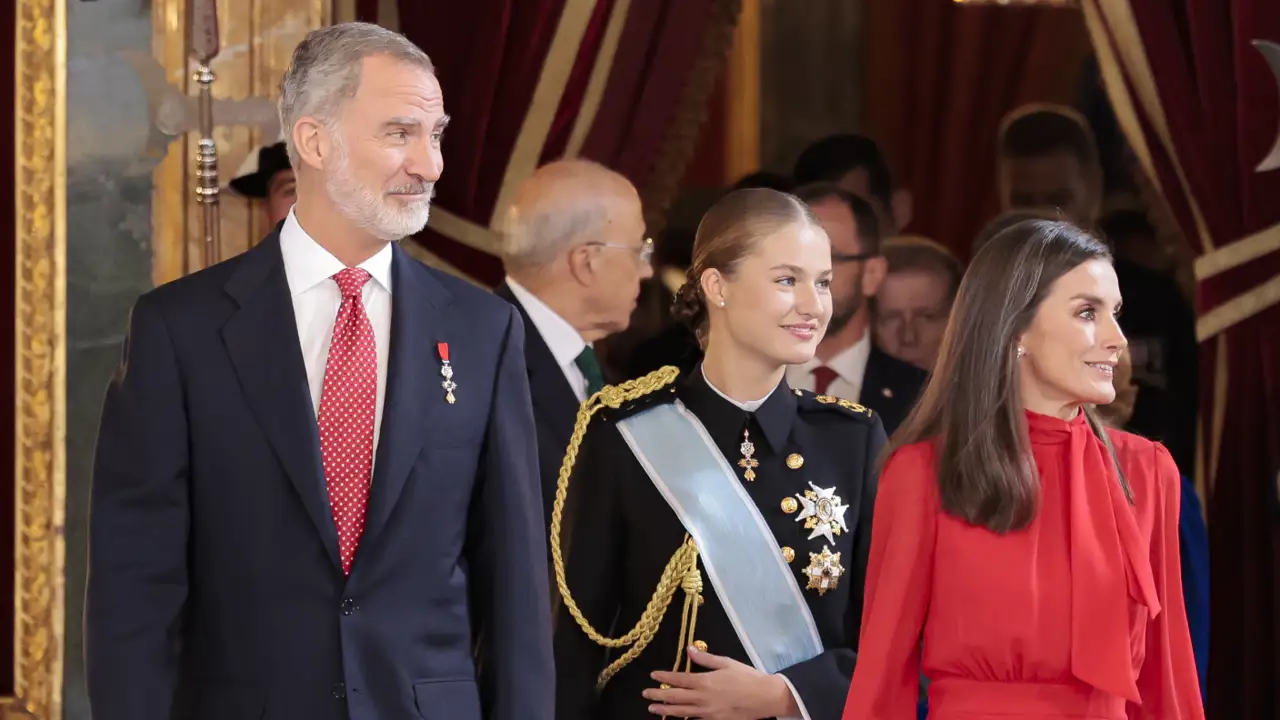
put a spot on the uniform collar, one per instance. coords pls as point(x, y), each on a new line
point(307, 263)
point(775, 415)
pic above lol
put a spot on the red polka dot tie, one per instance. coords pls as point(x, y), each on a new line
point(347, 406)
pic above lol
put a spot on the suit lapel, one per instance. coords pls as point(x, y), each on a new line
point(872, 379)
point(553, 398)
point(412, 378)
point(262, 341)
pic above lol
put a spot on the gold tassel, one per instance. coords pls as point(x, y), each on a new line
point(691, 583)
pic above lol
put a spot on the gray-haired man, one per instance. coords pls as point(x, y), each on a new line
point(315, 484)
point(575, 253)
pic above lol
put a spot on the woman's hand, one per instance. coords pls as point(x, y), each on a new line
point(730, 691)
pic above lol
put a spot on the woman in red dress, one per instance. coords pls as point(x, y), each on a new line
point(1022, 556)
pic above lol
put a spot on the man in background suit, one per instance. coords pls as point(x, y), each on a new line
point(575, 254)
point(847, 363)
point(1049, 163)
point(854, 163)
point(313, 488)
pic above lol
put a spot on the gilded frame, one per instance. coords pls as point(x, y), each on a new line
point(40, 360)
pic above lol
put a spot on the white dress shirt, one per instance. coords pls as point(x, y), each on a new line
point(309, 269)
point(850, 366)
point(563, 339)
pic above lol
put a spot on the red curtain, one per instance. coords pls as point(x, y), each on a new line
point(8, 118)
point(1199, 104)
point(489, 56)
point(940, 77)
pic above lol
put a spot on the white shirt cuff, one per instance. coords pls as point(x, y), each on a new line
point(804, 713)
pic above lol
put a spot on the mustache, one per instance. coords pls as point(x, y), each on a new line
point(415, 188)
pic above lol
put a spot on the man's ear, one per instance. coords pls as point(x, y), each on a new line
point(312, 141)
point(581, 259)
point(873, 272)
point(1094, 186)
point(901, 208)
point(1003, 188)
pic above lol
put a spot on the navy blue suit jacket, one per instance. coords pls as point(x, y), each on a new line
point(215, 589)
point(555, 407)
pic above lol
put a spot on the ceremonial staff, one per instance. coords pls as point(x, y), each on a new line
point(203, 18)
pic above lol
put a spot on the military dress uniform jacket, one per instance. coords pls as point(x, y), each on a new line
point(624, 533)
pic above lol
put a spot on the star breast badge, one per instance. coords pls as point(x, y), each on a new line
point(824, 571)
point(823, 512)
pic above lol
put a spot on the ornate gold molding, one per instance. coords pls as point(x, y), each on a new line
point(40, 319)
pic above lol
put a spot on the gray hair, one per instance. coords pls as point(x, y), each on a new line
point(537, 238)
point(325, 72)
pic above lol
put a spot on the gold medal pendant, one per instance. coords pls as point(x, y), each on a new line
point(824, 571)
point(748, 461)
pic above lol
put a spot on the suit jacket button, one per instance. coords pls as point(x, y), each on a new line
point(349, 606)
point(340, 690)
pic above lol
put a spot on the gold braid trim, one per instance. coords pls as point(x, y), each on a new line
point(681, 571)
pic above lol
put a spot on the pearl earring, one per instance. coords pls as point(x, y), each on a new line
point(1021, 352)
point(721, 303)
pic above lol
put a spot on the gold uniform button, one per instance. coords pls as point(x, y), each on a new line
point(795, 461)
point(699, 645)
point(788, 554)
point(789, 505)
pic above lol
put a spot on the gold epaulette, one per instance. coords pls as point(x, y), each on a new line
point(681, 570)
point(830, 402)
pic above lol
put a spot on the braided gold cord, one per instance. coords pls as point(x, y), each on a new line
point(673, 575)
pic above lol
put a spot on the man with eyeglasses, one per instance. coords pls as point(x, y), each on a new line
point(575, 252)
point(847, 364)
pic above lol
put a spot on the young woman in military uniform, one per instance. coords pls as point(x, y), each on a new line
point(711, 532)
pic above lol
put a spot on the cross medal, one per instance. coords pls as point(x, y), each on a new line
point(748, 462)
point(447, 371)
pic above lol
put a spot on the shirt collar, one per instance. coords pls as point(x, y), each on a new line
point(307, 264)
point(563, 339)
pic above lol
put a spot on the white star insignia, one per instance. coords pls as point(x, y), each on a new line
point(823, 512)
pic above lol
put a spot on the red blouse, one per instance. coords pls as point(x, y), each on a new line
point(1078, 615)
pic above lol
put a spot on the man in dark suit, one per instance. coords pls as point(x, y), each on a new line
point(847, 363)
point(856, 164)
point(313, 494)
point(575, 255)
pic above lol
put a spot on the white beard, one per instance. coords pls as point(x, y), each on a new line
point(372, 212)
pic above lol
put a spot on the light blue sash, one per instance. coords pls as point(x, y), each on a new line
point(738, 551)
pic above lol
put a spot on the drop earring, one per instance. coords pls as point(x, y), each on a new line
point(1021, 352)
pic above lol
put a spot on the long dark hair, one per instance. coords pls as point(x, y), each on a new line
point(971, 405)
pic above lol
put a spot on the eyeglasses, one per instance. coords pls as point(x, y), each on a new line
point(645, 250)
